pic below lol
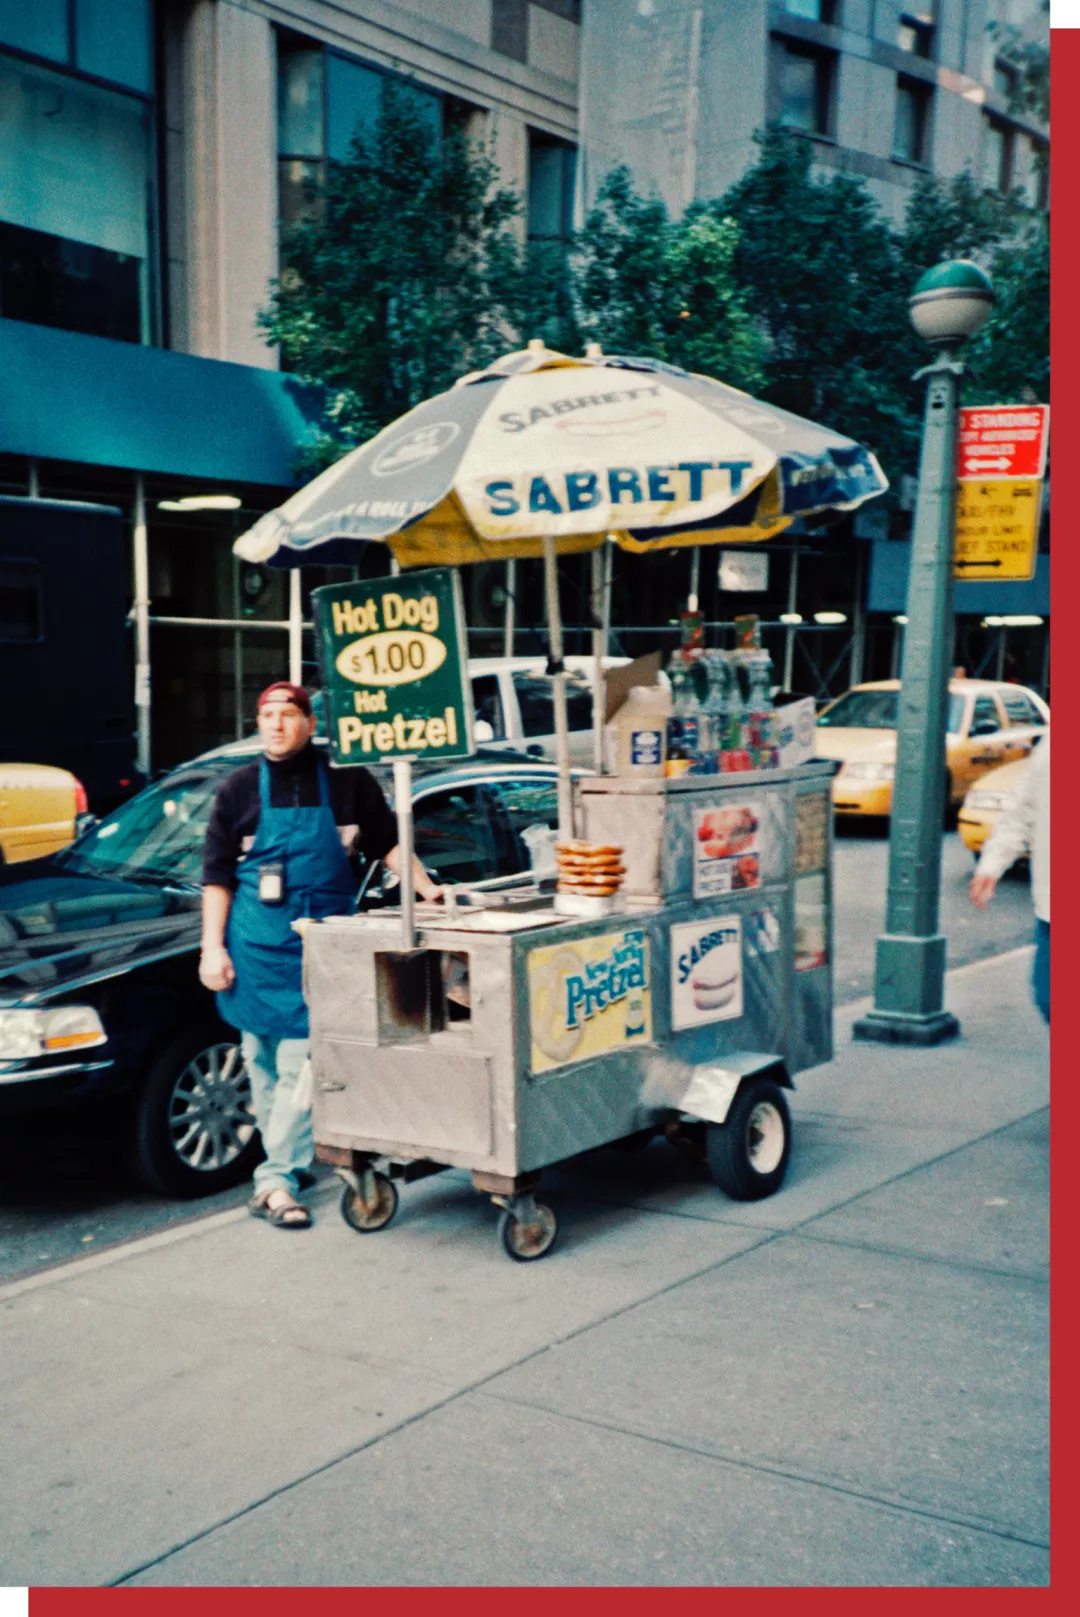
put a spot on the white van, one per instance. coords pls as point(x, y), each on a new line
point(513, 703)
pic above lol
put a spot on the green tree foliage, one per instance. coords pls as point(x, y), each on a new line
point(646, 284)
point(955, 218)
point(1029, 58)
point(1010, 358)
point(823, 277)
point(793, 285)
point(408, 275)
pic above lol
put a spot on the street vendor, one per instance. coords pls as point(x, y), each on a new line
point(287, 838)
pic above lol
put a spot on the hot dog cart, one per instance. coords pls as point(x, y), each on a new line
point(505, 1035)
point(512, 1037)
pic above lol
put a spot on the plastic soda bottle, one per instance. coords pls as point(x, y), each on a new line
point(684, 724)
point(734, 755)
point(759, 722)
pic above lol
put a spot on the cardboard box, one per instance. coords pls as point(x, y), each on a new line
point(795, 722)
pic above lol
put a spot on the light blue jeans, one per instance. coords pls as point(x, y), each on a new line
point(274, 1066)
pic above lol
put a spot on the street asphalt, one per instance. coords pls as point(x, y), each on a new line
point(845, 1384)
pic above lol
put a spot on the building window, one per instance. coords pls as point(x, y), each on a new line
point(552, 168)
point(510, 28)
point(911, 130)
point(805, 85)
point(998, 155)
point(77, 170)
point(301, 130)
point(326, 100)
point(109, 39)
point(915, 32)
point(1006, 81)
point(826, 11)
point(1040, 174)
point(510, 23)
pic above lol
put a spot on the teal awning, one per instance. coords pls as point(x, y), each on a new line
point(64, 396)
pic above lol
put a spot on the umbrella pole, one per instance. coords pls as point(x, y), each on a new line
point(508, 610)
point(695, 579)
point(558, 673)
point(601, 616)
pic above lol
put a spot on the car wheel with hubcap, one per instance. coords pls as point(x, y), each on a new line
point(195, 1130)
point(749, 1152)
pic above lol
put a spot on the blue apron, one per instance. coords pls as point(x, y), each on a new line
point(267, 996)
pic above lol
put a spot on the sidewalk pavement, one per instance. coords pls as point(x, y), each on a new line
point(845, 1384)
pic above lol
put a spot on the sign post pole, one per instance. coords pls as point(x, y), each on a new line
point(950, 303)
point(909, 970)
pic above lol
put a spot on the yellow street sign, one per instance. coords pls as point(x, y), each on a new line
point(997, 529)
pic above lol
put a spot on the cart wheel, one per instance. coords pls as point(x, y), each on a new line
point(748, 1154)
point(367, 1216)
point(524, 1242)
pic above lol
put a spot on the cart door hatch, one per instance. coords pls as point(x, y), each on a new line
point(409, 1100)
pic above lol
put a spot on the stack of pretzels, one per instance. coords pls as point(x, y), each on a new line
point(589, 869)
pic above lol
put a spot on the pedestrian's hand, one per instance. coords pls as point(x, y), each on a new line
point(432, 894)
point(981, 889)
point(216, 970)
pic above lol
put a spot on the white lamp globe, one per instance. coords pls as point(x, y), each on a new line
point(951, 302)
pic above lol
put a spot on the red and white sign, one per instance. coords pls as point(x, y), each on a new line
point(1002, 441)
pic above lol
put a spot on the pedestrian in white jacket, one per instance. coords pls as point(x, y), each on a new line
point(1024, 827)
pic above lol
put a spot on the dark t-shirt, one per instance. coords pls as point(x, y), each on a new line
point(355, 797)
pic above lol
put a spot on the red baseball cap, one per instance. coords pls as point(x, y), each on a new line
point(292, 693)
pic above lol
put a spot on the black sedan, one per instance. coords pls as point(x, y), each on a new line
point(100, 1001)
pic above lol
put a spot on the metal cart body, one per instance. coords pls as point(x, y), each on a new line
point(581, 1032)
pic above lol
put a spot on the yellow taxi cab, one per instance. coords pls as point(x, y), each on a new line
point(989, 722)
point(984, 802)
point(39, 808)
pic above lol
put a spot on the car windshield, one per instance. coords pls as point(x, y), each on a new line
point(876, 710)
point(159, 834)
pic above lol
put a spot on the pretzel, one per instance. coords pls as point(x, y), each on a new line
point(547, 1014)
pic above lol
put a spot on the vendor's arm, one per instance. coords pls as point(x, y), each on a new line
point(379, 831)
point(215, 967)
point(221, 855)
point(421, 880)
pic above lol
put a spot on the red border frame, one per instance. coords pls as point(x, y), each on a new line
point(1065, 588)
point(233, 1602)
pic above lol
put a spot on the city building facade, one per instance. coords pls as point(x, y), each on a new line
point(152, 150)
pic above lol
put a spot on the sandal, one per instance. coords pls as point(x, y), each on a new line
point(287, 1215)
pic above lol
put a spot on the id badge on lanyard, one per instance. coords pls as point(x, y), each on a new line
point(272, 884)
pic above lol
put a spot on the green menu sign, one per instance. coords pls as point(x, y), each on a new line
point(394, 669)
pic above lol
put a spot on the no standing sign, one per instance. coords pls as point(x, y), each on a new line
point(1001, 457)
point(1002, 442)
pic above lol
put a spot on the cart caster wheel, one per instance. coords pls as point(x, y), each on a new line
point(367, 1216)
point(526, 1241)
point(748, 1154)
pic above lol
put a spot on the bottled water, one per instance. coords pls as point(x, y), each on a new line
point(716, 707)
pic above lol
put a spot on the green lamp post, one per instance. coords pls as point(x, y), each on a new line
point(950, 303)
